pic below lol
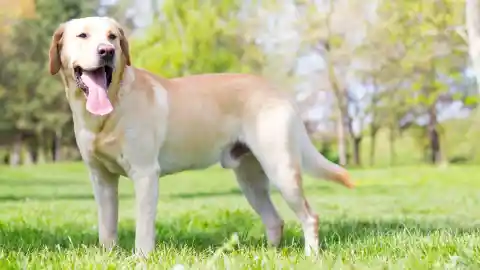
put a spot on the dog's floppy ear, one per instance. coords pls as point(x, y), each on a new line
point(54, 52)
point(124, 46)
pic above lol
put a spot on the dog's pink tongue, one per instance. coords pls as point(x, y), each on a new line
point(97, 99)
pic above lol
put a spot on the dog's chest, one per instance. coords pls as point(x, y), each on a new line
point(104, 148)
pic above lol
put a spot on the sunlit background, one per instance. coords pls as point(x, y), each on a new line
point(385, 88)
point(379, 82)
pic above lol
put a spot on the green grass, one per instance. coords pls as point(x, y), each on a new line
point(402, 218)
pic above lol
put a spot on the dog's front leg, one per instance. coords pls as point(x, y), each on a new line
point(105, 188)
point(146, 197)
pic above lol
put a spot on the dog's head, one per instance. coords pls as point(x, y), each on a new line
point(90, 51)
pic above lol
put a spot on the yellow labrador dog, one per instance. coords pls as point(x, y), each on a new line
point(131, 122)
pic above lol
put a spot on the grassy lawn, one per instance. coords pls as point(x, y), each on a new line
point(402, 218)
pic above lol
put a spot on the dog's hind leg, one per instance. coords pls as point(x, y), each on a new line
point(254, 184)
point(273, 140)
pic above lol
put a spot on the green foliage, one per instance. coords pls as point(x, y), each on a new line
point(417, 60)
point(430, 45)
point(30, 41)
point(31, 100)
point(327, 150)
point(195, 36)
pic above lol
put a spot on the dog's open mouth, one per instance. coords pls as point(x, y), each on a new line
point(94, 84)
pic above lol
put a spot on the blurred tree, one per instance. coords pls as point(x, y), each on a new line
point(194, 36)
point(122, 12)
point(434, 59)
point(408, 67)
point(381, 54)
point(325, 33)
point(399, 69)
point(34, 102)
point(12, 10)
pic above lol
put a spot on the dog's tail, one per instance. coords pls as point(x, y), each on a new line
point(316, 165)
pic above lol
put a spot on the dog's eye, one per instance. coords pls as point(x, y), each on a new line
point(112, 36)
point(82, 35)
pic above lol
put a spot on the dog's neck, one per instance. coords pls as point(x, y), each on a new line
point(83, 119)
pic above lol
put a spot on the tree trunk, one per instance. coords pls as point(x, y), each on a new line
point(392, 145)
point(373, 137)
point(339, 96)
point(26, 154)
point(16, 151)
point(436, 156)
point(356, 150)
point(435, 149)
point(56, 146)
point(47, 147)
point(32, 149)
point(40, 139)
point(33, 153)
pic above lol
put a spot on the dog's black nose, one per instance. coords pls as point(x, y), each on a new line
point(106, 52)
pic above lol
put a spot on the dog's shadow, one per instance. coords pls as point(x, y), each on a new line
point(206, 234)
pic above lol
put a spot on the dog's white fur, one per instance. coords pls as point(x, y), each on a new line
point(161, 127)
